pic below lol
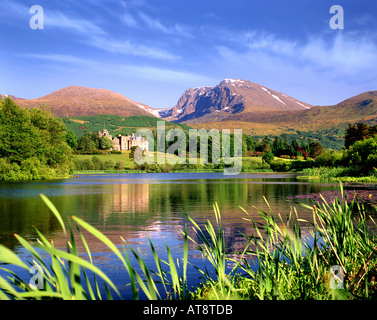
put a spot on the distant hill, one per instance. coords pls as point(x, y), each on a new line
point(232, 99)
point(360, 108)
point(3, 96)
point(80, 101)
point(115, 124)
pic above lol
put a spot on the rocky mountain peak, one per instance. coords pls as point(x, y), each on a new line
point(231, 98)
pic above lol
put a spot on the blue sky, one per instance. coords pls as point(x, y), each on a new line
point(152, 51)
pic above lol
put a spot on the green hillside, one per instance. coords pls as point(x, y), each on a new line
point(114, 124)
point(332, 138)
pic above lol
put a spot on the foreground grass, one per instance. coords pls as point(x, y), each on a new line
point(287, 265)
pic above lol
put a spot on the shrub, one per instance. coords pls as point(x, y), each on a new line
point(268, 157)
point(280, 166)
point(120, 165)
point(329, 158)
point(97, 163)
point(108, 165)
point(88, 164)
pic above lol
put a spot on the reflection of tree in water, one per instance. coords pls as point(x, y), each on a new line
point(20, 216)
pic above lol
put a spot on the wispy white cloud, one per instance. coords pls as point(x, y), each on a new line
point(130, 4)
point(52, 18)
point(130, 48)
point(59, 58)
point(130, 21)
point(95, 36)
point(11, 7)
point(157, 26)
point(341, 53)
point(165, 74)
point(56, 19)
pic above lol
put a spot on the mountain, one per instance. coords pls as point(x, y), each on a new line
point(360, 108)
point(80, 101)
point(232, 99)
point(325, 124)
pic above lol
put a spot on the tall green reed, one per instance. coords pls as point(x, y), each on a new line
point(294, 266)
point(65, 275)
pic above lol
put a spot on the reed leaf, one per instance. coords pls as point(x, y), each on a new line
point(53, 209)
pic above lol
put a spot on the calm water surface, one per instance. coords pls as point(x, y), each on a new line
point(134, 206)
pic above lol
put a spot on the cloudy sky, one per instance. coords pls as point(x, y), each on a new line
point(153, 50)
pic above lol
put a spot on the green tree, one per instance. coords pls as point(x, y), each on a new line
point(357, 132)
point(71, 140)
point(251, 144)
point(105, 143)
point(315, 149)
point(268, 157)
point(280, 146)
point(361, 156)
point(265, 144)
point(86, 143)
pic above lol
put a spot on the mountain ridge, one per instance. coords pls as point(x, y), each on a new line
point(79, 101)
point(362, 107)
point(229, 100)
point(232, 99)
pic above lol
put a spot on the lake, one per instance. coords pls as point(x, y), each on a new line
point(134, 206)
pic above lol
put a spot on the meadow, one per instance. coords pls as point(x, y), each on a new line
point(116, 163)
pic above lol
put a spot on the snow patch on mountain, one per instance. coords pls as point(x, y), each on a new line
point(278, 99)
point(302, 105)
point(156, 113)
point(273, 95)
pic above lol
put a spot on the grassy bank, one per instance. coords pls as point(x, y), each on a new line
point(309, 169)
point(342, 174)
point(121, 163)
point(288, 265)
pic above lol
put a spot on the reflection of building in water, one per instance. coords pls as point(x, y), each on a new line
point(130, 197)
